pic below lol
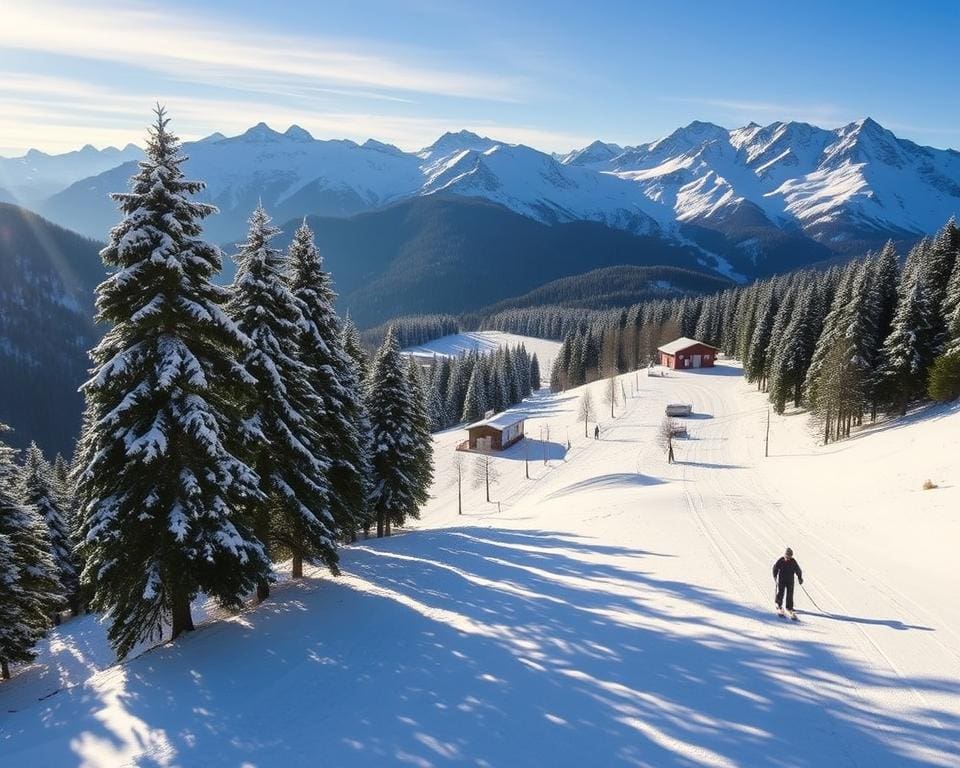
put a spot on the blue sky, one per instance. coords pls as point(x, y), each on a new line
point(554, 75)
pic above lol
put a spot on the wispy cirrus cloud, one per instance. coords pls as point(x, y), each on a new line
point(214, 73)
point(219, 51)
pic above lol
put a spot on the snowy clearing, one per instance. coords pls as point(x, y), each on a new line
point(487, 341)
point(611, 610)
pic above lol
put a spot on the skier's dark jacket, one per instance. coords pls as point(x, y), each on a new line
point(784, 570)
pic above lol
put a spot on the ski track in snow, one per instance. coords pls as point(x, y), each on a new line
point(611, 610)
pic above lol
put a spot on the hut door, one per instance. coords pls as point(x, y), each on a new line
point(483, 443)
point(696, 361)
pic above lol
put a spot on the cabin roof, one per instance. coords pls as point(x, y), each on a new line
point(681, 344)
point(500, 421)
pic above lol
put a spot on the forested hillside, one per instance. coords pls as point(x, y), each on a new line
point(452, 255)
point(611, 287)
point(848, 343)
point(47, 277)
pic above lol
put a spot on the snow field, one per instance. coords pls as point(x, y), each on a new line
point(487, 342)
point(609, 610)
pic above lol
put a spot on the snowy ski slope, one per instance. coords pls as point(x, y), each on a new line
point(610, 610)
point(488, 341)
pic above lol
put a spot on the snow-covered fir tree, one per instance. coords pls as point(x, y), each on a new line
point(437, 402)
point(905, 356)
point(938, 267)
point(65, 488)
point(791, 359)
point(351, 342)
point(161, 480)
point(461, 372)
point(475, 402)
point(828, 336)
point(30, 593)
point(295, 520)
point(394, 452)
point(944, 384)
point(422, 473)
point(341, 421)
point(534, 373)
point(755, 366)
point(39, 491)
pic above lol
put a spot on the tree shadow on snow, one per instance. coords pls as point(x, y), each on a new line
point(481, 646)
point(707, 464)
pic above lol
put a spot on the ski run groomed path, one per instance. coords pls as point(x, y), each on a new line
point(610, 610)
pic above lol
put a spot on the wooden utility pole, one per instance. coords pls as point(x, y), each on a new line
point(766, 443)
point(526, 458)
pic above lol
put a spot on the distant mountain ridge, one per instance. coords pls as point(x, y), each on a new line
point(753, 200)
point(31, 178)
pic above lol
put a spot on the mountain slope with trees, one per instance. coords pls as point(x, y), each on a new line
point(47, 278)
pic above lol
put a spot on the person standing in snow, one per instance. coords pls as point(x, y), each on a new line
point(596, 432)
point(783, 572)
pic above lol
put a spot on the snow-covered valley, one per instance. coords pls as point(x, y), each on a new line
point(610, 610)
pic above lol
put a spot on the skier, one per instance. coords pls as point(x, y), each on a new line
point(783, 572)
point(596, 432)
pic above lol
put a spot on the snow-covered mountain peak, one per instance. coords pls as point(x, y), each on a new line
point(690, 136)
point(593, 154)
point(387, 149)
point(297, 133)
point(456, 142)
point(261, 132)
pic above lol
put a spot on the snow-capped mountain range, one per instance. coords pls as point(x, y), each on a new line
point(732, 191)
point(36, 175)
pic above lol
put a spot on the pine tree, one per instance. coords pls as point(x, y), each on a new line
point(500, 382)
point(939, 262)
point(951, 311)
point(63, 486)
point(793, 357)
point(944, 384)
point(29, 591)
point(39, 492)
point(475, 400)
point(439, 386)
point(577, 367)
point(461, 370)
point(885, 280)
point(350, 340)
point(534, 373)
point(843, 382)
point(829, 334)
point(295, 518)
point(904, 355)
point(341, 421)
point(395, 455)
point(756, 359)
point(784, 315)
point(422, 471)
point(65, 490)
point(160, 480)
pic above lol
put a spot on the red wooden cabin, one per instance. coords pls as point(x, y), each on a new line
point(687, 353)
